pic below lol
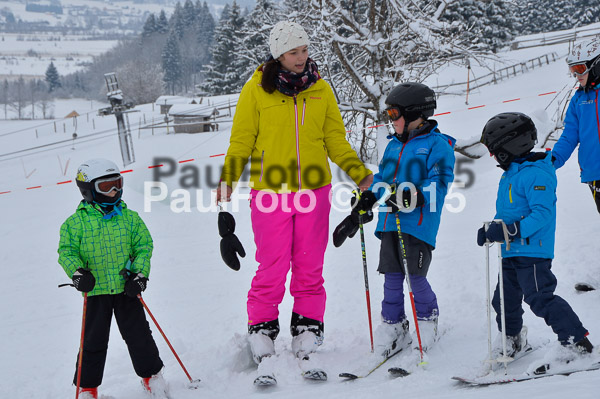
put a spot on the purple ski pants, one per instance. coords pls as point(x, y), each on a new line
point(290, 231)
point(392, 306)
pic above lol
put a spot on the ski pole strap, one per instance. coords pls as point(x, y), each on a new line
point(506, 235)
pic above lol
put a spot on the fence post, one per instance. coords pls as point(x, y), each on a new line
point(54, 126)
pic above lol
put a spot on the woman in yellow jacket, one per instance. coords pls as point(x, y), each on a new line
point(288, 123)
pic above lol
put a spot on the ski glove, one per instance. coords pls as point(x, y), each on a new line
point(135, 285)
point(362, 211)
point(230, 244)
point(83, 280)
point(406, 200)
point(496, 234)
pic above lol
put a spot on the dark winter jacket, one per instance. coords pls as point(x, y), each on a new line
point(527, 193)
point(582, 126)
point(105, 246)
point(426, 160)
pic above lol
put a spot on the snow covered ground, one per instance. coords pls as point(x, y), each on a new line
point(200, 303)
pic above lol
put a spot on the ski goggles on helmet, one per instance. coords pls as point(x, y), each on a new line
point(108, 184)
point(394, 113)
point(579, 69)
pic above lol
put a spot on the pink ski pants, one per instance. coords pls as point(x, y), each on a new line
point(290, 230)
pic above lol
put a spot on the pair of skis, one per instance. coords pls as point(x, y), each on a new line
point(375, 365)
point(496, 375)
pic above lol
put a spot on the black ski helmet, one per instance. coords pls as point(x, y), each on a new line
point(509, 135)
point(92, 170)
point(589, 53)
point(415, 100)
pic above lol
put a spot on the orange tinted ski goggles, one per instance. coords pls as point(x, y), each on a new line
point(106, 185)
point(394, 113)
point(579, 69)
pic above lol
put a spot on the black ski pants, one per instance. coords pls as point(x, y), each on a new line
point(134, 328)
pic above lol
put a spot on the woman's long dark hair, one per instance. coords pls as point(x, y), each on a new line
point(269, 75)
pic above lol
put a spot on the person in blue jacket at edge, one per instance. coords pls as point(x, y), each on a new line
point(417, 168)
point(582, 127)
point(526, 204)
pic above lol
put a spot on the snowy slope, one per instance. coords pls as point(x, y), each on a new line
point(200, 303)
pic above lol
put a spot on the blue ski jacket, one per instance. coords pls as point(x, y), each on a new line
point(426, 160)
point(582, 126)
point(527, 193)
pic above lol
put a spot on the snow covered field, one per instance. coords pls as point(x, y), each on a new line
point(30, 55)
point(200, 303)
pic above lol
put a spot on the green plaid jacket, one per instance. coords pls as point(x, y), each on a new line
point(105, 246)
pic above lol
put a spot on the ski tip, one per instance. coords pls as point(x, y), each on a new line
point(348, 376)
point(398, 372)
point(265, 381)
point(315, 375)
point(584, 287)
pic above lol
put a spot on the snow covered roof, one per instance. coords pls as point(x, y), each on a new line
point(192, 110)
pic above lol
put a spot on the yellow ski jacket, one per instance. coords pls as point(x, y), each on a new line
point(288, 139)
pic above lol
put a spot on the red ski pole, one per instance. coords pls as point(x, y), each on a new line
point(364, 259)
point(79, 361)
point(168, 343)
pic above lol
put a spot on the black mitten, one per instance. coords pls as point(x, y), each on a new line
point(347, 228)
point(135, 285)
point(83, 280)
point(230, 244)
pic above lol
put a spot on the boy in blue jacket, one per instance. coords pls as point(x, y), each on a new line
point(417, 167)
point(526, 203)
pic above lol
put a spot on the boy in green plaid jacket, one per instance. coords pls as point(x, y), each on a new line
point(105, 248)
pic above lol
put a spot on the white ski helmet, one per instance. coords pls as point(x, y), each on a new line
point(584, 52)
point(89, 172)
point(587, 53)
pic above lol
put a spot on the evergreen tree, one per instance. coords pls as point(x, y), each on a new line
point(205, 26)
point(484, 24)
point(52, 77)
point(171, 62)
point(162, 23)
point(551, 15)
point(177, 21)
point(223, 74)
point(188, 14)
point(149, 27)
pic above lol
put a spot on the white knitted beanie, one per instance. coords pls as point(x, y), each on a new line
point(285, 36)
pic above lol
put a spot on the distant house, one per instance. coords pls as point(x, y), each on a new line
point(166, 102)
point(194, 118)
